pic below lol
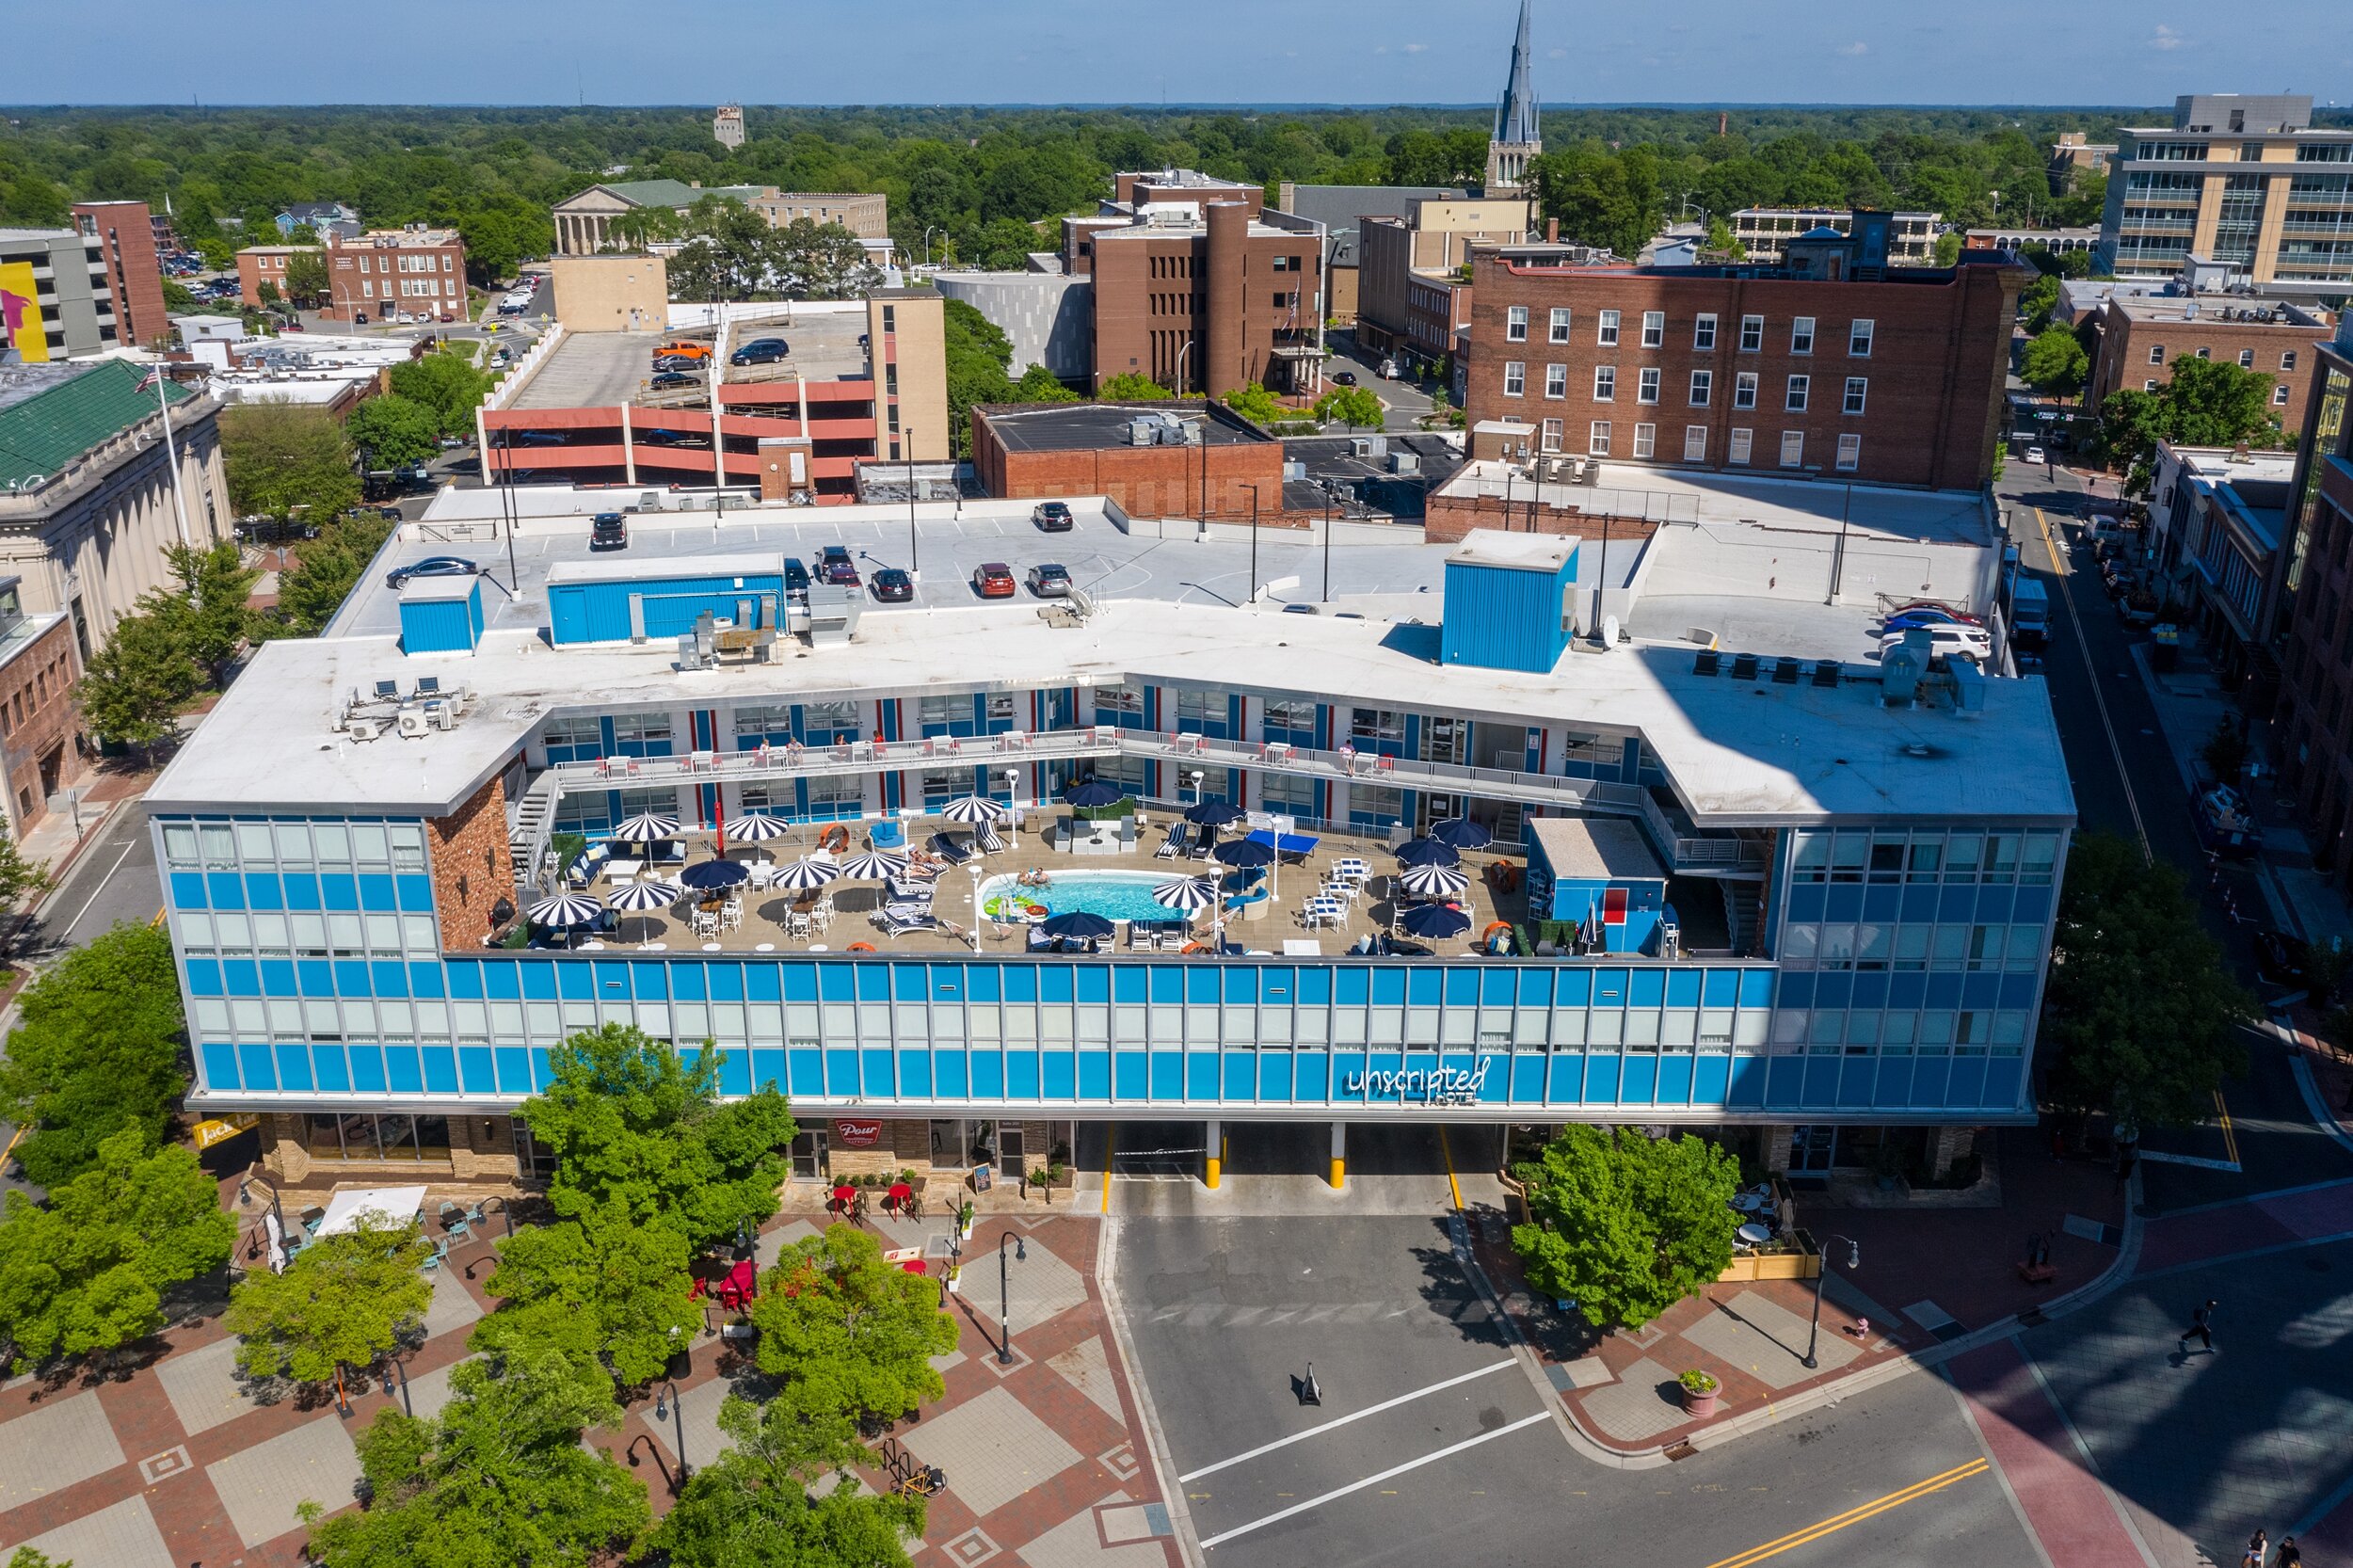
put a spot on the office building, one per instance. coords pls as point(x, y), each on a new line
point(1150, 460)
point(1414, 299)
point(57, 297)
point(727, 126)
point(2142, 336)
point(2058, 242)
point(2243, 180)
point(2221, 546)
point(2075, 154)
point(125, 232)
point(584, 223)
point(2313, 729)
point(1765, 233)
point(1343, 210)
point(382, 275)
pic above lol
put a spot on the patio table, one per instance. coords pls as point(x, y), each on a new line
point(898, 1195)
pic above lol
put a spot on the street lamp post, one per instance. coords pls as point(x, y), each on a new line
point(914, 566)
point(1005, 1295)
point(1855, 1260)
point(505, 1212)
point(929, 230)
point(1252, 596)
point(668, 1405)
point(402, 1373)
point(1327, 551)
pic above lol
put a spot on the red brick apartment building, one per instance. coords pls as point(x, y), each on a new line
point(380, 274)
point(2142, 337)
point(1065, 449)
point(41, 720)
point(125, 231)
point(1830, 359)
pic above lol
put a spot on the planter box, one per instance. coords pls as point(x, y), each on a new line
point(1795, 1265)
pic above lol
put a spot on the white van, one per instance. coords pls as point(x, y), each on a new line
point(1973, 642)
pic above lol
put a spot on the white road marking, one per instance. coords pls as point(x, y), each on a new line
point(1356, 1415)
point(1393, 1470)
point(131, 844)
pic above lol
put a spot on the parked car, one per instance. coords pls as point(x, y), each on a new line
point(2283, 960)
point(2036, 454)
point(836, 566)
point(1053, 517)
point(683, 349)
point(761, 351)
point(795, 578)
point(1299, 609)
point(993, 579)
point(608, 530)
point(1944, 640)
point(669, 380)
point(1343, 377)
point(890, 586)
point(432, 565)
point(1049, 580)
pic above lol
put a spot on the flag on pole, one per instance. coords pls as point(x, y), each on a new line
point(151, 378)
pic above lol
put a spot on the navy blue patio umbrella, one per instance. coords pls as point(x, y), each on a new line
point(1461, 833)
point(1428, 852)
point(1214, 811)
point(1240, 852)
point(1078, 924)
point(1434, 921)
point(1092, 792)
point(711, 875)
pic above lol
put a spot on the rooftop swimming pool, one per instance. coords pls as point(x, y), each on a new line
point(1113, 895)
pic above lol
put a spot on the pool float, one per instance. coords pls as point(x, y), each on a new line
point(1036, 911)
point(1196, 947)
point(1486, 937)
point(859, 947)
point(834, 839)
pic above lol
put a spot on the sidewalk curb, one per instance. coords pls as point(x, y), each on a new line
point(63, 869)
point(1155, 1440)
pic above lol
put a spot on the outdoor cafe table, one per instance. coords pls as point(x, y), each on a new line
point(844, 1196)
point(898, 1195)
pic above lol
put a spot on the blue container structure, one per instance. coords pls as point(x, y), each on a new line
point(651, 600)
point(441, 615)
point(1508, 603)
point(1600, 873)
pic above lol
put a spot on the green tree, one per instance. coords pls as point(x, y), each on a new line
point(499, 1477)
point(282, 458)
point(631, 1125)
point(1352, 406)
point(1721, 238)
point(1040, 384)
point(207, 612)
point(33, 1556)
point(753, 1507)
point(807, 260)
point(1625, 1225)
point(19, 876)
point(179, 300)
point(2054, 363)
point(596, 1283)
point(977, 353)
point(306, 279)
point(134, 689)
point(2141, 1018)
point(1128, 386)
point(1254, 403)
point(88, 1273)
point(345, 1301)
point(326, 569)
point(2039, 299)
point(856, 1332)
point(447, 384)
point(392, 431)
point(1948, 245)
point(2204, 402)
point(98, 1049)
point(1601, 197)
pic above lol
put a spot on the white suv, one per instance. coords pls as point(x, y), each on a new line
point(1973, 642)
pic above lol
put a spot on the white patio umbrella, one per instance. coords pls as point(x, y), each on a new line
point(644, 897)
point(645, 827)
point(1185, 893)
point(755, 827)
point(566, 910)
point(975, 808)
point(805, 875)
point(1433, 881)
point(871, 864)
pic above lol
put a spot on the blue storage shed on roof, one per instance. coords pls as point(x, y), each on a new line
point(1600, 873)
point(441, 615)
point(1508, 601)
point(612, 601)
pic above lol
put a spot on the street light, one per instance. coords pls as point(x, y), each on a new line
point(929, 230)
point(402, 1373)
point(914, 565)
point(1196, 786)
point(505, 1212)
point(667, 1405)
point(1855, 1260)
point(1005, 1295)
point(1252, 596)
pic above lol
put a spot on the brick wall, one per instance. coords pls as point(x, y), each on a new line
point(1145, 480)
point(1450, 517)
point(39, 721)
point(2285, 353)
point(472, 866)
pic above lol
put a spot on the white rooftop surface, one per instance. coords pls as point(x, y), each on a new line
point(2225, 466)
point(1489, 547)
point(1689, 495)
point(1740, 752)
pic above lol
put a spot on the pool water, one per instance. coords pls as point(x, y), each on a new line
point(1113, 895)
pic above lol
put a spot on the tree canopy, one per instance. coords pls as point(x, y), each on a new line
point(326, 567)
point(977, 353)
point(853, 1330)
point(1354, 407)
point(1128, 386)
point(2055, 362)
point(446, 384)
point(345, 1301)
point(282, 458)
point(2203, 403)
point(394, 431)
point(753, 1507)
point(1625, 1224)
point(596, 1284)
point(98, 1049)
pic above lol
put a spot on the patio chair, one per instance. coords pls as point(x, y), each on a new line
point(1203, 842)
point(796, 923)
point(705, 922)
point(954, 850)
point(440, 1255)
point(892, 924)
point(1178, 839)
point(902, 890)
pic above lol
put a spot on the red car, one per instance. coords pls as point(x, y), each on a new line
point(994, 579)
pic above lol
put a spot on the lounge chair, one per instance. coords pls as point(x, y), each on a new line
point(892, 924)
point(1179, 838)
point(1203, 842)
point(954, 850)
point(902, 890)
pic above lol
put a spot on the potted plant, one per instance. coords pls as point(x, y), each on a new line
point(1058, 1176)
point(1700, 1391)
point(963, 1220)
point(1038, 1178)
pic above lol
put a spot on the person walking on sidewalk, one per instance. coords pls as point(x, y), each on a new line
point(2288, 1556)
point(2258, 1548)
point(2201, 1328)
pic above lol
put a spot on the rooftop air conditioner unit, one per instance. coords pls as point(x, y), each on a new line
point(1404, 462)
point(1368, 446)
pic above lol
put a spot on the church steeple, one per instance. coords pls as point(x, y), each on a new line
point(1517, 138)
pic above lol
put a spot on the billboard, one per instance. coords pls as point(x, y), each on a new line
point(20, 313)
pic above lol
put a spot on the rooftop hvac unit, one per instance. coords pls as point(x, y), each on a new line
point(1404, 462)
point(1368, 446)
point(1294, 469)
point(1143, 430)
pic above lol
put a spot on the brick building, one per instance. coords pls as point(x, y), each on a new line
point(2313, 730)
point(1832, 360)
point(40, 722)
point(1153, 459)
point(417, 269)
point(125, 231)
point(2143, 336)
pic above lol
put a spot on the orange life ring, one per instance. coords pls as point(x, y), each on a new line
point(1498, 925)
point(1036, 911)
point(834, 838)
point(859, 947)
point(1194, 947)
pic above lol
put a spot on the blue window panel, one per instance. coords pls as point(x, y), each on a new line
point(425, 979)
point(1201, 1074)
point(690, 1058)
point(1388, 987)
point(1274, 1076)
point(294, 1067)
point(1821, 1081)
point(414, 891)
point(1130, 1077)
point(1906, 991)
point(1722, 988)
point(1568, 1079)
point(1797, 991)
point(1423, 987)
point(514, 1069)
point(351, 977)
point(1049, 1075)
point(686, 982)
point(1462, 988)
point(1683, 988)
point(1311, 1077)
point(1711, 1080)
point(841, 1072)
point(1527, 1080)
point(982, 983)
point(761, 982)
point(1130, 984)
point(543, 1066)
point(187, 891)
point(800, 982)
point(1859, 1083)
point(203, 978)
point(735, 1072)
point(403, 1074)
point(1785, 1082)
point(367, 1070)
point(2018, 990)
point(391, 977)
point(1756, 987)
point(339, 891)
point(1648, 989)
point(1168, 1075)
point(1093, 1081)
point(1833, 990)
point(1639, 1084)
point(1056, 983)
point(1844, 904)
point(1957, 903)
point(302, 892)
point(1870, 990)
point(1993, 903)
point(477, 1069)
point(227, 889)
point(376, 893)
point(1980, 991)
point(1352, 986)
point(1944, 991)
point(262, 892)
point(260, 1071)
point(1967, 1084)
point(1021, 1075)
point(2033, 907)
point(954, 1071)
point(1920, 903)
point(1895, 1082)
point(1674, 1080)
point(612, 981)
point(1928, 1075)
point(1806, 902)
point(2000, 1081)
point(241, 977)
point(915, 1074)
point(1241, 983)
point(646, 982)
point(1315, 987)
point(539, 980)
point(1092, 983)
point(1201, 983)
point(807, 1073)
point(333, 1067)
point(1347, 1065)
point(988, 1075)
point(1601, 1079)
point(873, 984)
point(441, 1069)
point(464, 981)
point(1535, 987)
point(1575, 989)
point(1747, 1086)
point(1168, 985)
point(1242, 1075)
point(576, 981)
point(911, 983)
point(1496, 987)
point(1882, 903)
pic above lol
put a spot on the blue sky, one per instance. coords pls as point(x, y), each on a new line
point(1195, 50)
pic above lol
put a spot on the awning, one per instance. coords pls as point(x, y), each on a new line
point(394, 1204)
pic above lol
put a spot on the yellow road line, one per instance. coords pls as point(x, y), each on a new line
point(2230, 1134)
point(2099, 695)
point(1451, 1184)
point(1855, 1515)
point(14, 1138)
point(159, 916)
point(1110, 1137)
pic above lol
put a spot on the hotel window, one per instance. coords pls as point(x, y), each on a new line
point(1850, 452)
point(764, 721)
point(942, 785)
point(1119, 699)
point(1695, 444)
point(1371, 803)
point(2280, 396)
point(1376, 725)
point(2205, 353)
point(1801, 335)
point(2246, 358)
point(1197, 709)
point(2287, 360)
point(575, 740)
point(1293, 794)
point(1744, 390)
point(1552, 434)
point(1514, 378)
point(1703, 387)
point(1556, 380)
point(1597, 439)
point(1857, 387)
point(1738, 455)
point(1794, 400)
point(1752, 334)
point(829, 723)
point(1605, 383)
point(1646, 388)
point(644, 732)
point(1607, 329)
point(943, 711)
point(1654, 329)
point(1559, 323)
point(1792, 448)
point(835, 793)
point(1516, 324)
point(1645, 441)
point(2149, 385)
point(2157, 353)
point(1291, 720)
point(1859, 338)
point(1704, 333)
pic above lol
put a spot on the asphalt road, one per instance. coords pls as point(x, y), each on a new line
point(1407, 403)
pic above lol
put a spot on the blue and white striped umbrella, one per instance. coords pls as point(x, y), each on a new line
point(645, 827)
point(804, 876)
point(639, 898)
point(565, 910)
point(872, 864)
point(974, 809)
point(1434, 881)
point(1187, 893)
point(754, 827)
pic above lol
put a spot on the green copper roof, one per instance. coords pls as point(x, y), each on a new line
point(45, 431)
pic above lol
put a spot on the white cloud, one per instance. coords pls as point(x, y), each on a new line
point(2166, 38)
point(1556, 54)
point(1858, 47)
point(1416, 48)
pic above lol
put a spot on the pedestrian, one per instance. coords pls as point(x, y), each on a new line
point(2287, 1556)
point(2201, 1328)
point(2258, 1547)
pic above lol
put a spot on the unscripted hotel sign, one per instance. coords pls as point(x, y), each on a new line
point(1431, 1086)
